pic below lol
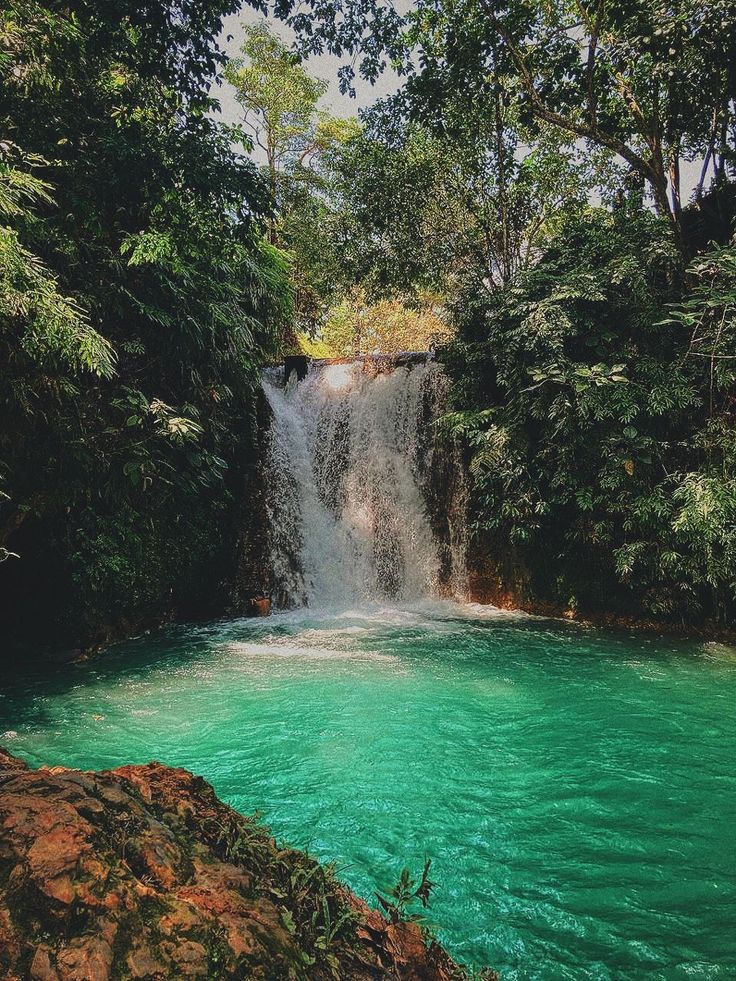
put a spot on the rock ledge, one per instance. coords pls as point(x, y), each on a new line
point(141, 872)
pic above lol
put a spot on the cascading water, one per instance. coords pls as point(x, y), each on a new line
point(363, 504)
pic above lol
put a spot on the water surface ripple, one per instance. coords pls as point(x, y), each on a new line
point(576, 790)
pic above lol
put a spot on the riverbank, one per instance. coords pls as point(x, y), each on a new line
point(613, 622)
point(508, 583)
point(141, 872)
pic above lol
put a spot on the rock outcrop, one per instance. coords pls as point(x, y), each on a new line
point(141, 872)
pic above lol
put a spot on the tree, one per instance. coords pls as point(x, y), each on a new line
point(137, 302)
point(651, 83)
point(648, 82)
point(417, 210)
point(279, 101)
point(396, 213)
point(308, 221)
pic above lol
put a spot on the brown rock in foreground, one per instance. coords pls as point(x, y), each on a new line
point(142, 872)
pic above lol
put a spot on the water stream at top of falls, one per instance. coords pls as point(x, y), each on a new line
point(364, 505)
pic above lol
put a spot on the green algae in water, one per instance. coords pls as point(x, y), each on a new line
point(576, 791)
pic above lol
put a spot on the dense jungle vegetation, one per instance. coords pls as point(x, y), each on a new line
point(138, 299)
point(548, 199)
point(527, 181)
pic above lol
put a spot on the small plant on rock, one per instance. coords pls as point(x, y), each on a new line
point(405, 893)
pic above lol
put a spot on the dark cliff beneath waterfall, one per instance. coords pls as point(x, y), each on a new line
point(141, 872)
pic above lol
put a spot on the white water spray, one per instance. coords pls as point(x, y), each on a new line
point(354, 475)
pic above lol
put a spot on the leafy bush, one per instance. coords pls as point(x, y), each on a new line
point(138, 299)
point(600, 437)
point(355, 326)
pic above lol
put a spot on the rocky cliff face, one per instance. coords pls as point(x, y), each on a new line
point(142, 872)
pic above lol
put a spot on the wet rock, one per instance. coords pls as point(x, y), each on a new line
point(142, 872)
point(259, 606)
point(41, 968)
point(141, 963)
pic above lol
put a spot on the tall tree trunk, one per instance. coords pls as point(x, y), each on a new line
point(505, 256)
point(674, 169)
point(656, 176)
point(273, 183)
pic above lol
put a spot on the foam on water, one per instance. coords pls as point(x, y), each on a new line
point(309, 650)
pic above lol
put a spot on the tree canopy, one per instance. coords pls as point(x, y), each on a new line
point(137, 301)
point(653, 83)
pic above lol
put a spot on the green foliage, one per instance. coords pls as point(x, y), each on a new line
point(405, 893)
point(416, 211)
point(685, 534)
point(649, 82)
point(48, 327)
point(281, 113)
point(398, 215)
point(708, 314)
point(597, 444)
point(279, 98)
point(138, 300)
point(459, 192)
point(354, 326)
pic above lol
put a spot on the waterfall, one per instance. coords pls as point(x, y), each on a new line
point(363, 503)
